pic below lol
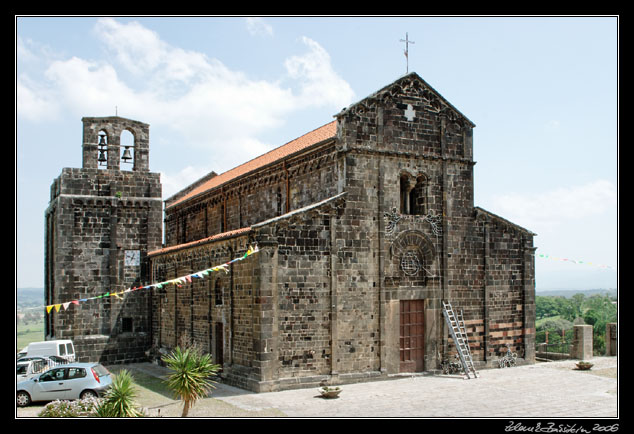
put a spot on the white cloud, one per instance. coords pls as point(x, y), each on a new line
point(87, 86)
point(137, 48)
point(257, 26)
point(33, 102)
point(203, 103)
point(319, 82)
point(559, 206)
point(186, 90)
point(24, 52)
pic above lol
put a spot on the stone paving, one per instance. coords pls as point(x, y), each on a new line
point(543, 390)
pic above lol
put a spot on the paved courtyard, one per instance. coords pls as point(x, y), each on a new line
point(543, 390)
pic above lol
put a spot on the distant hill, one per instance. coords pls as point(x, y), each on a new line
point(26, 297)
point(612, 292)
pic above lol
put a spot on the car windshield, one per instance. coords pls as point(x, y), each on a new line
point(22, 368)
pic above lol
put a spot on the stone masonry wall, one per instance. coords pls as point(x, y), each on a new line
point(255, 198)
point(304, 297)
point(94, 218)
point(214, 313)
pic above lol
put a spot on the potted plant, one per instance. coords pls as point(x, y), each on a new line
point(584, 366)
point(329, 392)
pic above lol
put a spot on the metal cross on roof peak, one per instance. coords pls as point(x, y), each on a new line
point(407, 42)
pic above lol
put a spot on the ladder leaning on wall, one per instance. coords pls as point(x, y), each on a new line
point(459, 336)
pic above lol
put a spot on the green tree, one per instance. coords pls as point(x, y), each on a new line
point(572, 308)
point(547, 306)
point(119, 400)
point(598, 311)
point(190, 378)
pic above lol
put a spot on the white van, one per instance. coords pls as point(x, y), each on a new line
point(62, 348)
point(30, 368)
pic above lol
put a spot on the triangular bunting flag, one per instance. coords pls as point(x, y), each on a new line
point(177, 281)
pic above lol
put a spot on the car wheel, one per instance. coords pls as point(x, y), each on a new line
point(88, 394)
point(23, 399)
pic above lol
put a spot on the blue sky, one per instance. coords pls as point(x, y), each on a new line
point(217, 91)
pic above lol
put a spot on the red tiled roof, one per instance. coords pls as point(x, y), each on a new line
point(216, 237)
point(318, 135)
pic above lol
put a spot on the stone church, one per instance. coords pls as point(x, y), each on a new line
point(364, 226)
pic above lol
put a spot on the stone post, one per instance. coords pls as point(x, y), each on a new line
point(582, 342)
point(610, 339)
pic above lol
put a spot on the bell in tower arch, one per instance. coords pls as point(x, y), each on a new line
point(127, 144)
point(127, 156)
point(103, 146)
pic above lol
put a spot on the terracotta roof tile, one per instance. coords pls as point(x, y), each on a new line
point(216, 237)
point(318, 135)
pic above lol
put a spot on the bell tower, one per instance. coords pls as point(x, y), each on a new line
point(101, 221)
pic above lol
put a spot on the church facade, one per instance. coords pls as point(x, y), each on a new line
point(363, 227)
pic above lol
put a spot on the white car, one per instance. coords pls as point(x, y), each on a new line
point(71, 381)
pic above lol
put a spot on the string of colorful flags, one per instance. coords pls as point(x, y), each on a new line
point(576, 261)
point(177, 281)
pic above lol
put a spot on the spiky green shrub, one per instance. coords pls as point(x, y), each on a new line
point(119, 399)
point(190, 379)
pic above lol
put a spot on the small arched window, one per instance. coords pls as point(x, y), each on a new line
point(218, 293)
point(412, 195)
point(279, 201)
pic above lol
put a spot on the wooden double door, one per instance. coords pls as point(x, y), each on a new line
point(412, 335)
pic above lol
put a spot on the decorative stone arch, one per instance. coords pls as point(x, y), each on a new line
point(411, 258)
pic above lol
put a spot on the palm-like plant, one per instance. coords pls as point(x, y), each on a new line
point(119, 400)
point(190, 379)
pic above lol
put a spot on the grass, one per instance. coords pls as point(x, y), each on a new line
point(154, 395)
point(150, 387)
point(27, 333)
